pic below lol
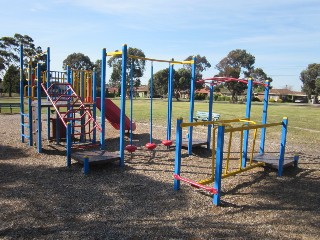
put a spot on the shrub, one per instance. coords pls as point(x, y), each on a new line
point(279, 100)
point(199, 96)
point(255, 99)
point(272, 100)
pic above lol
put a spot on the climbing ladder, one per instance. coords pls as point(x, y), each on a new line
point(74, 111)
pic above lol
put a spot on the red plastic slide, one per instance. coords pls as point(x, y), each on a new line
point(112, 113)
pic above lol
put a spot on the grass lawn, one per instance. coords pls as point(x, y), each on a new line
point(303, 124)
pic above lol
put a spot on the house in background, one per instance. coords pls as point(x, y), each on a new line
point(113, 90)
point(142, 91)
point(285, 95)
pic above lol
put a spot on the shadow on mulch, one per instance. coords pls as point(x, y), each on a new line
point(123, 203)
point(8, 152)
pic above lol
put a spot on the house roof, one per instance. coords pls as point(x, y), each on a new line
point(143, 88)
point(284, 91)
point(113, 89)
point(203, 90)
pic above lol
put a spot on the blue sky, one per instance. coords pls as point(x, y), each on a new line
point(283, 35)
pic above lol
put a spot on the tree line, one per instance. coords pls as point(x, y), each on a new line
point(237, 64)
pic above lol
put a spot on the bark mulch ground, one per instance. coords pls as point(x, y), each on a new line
point(42, 199)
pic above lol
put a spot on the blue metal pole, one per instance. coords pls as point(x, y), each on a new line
point(131, 99)
point(295, 159)
point(69, 143)
point(210, 116)
point(94, 106)
point(246, 132)
point(219, 164)
point(82, 96)
point(21, 94)
point(103, 95)
point(123, 103)
point(151, 99)
point(39, 140)
point(264, 116)
point(86, 165)
point(48, 85)
point(192, 92)
point(170, 95)
point(283, 145)
point(30, 83)
point(48, 67)
point(177, 162)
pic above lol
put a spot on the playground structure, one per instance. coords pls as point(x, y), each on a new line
point(220, 165)
point(72, 95)
point(124, 58)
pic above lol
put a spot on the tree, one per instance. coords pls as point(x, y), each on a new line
point(317, 83)
point(11, 80)
point(78, 61)
point(160, 82)
point(10, 51)
point(308, 78)
point(237, 62)
point(97, 66)
point(202, 64)
point(260, 76)
point(138, 70)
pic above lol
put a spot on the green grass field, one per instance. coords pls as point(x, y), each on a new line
point(304, 126)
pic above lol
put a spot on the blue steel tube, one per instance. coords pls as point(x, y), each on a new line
point(123, 102)
point(210, 116)
point(48, 85)
point(283, 145)
point(103, 95)
point(170, 90)
point(21, 94)
point(94, 107)
point(30, 82)
point(82, 96)
point(264, 116)
point(151, 99)
point(131, 99)
point(177, 162)
point(39, 138)
point(86, 165)
point(246, 132)
point(219, 164)
point(69, 143)
point(192, 92)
